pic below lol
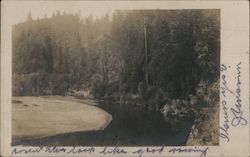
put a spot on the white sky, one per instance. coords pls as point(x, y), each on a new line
point(17, 10)
point(20, 9)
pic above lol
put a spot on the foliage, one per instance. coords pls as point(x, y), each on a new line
point(205, 130)
point(107, 55)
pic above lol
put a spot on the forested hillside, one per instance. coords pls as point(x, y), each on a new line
point(107, 54)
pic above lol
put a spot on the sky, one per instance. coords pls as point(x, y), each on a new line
point(38, 9)
point(17, 10)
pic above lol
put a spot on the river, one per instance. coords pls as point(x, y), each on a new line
point(130, 126)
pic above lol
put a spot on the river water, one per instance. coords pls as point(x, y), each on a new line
point(130, 126)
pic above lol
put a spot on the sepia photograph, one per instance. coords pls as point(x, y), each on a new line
point(122, 77)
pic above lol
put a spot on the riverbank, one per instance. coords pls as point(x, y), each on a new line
point(205, 132)
point(37, 117)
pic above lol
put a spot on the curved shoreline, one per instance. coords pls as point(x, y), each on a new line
point(37, 117)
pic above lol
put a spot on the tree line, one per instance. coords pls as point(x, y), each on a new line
point(106, 55)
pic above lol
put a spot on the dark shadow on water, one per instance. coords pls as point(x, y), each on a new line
point(130, 127)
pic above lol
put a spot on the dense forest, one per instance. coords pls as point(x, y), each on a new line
point(66, 53)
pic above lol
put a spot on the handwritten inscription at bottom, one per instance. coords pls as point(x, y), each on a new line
point(111, 151)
